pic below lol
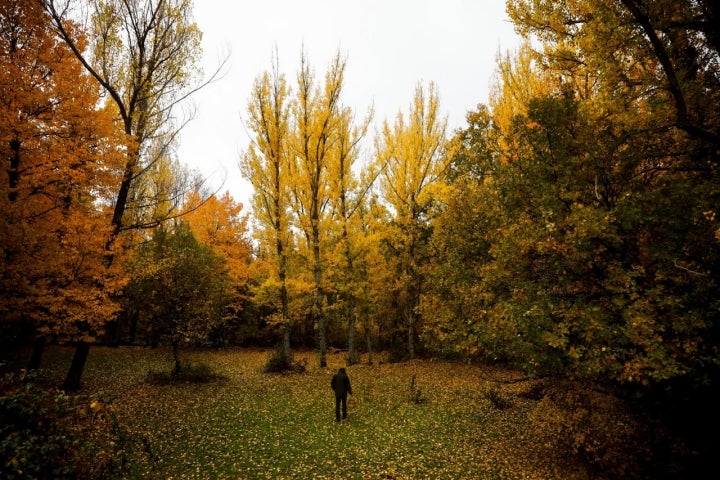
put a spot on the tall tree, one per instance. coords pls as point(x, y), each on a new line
point(59, 162)
point(348, 195)
point(413, 153)
point(265, 165)
point(655, 149)
point(317, 115)
point(144, 55)
point(453, 301)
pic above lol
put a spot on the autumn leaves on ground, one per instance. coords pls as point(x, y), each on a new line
point(259, 425)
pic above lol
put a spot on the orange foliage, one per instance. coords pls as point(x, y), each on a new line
point(218, 223)
point(62, 161)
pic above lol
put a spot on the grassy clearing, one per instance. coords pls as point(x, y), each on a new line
point(257, 426)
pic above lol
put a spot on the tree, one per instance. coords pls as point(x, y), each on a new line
point(219, 223)
point(348, 196)
point(414, 159)
point(453, 303)
point(652, 136)
point(180, 286)
point(61, 159)
point(317, 116)
point(144, 56)
point(265, 165)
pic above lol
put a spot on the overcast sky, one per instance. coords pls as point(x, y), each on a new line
point(390, 46)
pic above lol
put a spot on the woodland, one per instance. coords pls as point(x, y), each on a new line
point(568, 232)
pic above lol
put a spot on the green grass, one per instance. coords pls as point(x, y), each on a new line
point(256, 426)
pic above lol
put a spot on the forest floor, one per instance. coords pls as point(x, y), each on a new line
point(412, 420)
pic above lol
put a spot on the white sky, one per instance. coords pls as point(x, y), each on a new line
point(390, 45)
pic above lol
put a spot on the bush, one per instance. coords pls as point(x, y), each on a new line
point(45, 433)
point(594, 427)
point(187, 373)
point(34, 442)
point(281, 363)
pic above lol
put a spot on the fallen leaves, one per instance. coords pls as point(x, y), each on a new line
point(265, 426)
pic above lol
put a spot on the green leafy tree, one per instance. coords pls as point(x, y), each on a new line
point(180, 287)
point(642, 77)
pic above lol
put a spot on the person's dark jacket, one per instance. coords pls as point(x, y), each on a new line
point(340, 383)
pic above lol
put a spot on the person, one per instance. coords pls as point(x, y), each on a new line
point(340, 384)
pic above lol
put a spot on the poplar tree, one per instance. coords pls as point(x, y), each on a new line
point(412, 152)
point(265, 165)
point(317, 114)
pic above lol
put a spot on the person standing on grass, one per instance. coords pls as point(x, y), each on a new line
point(340, 384)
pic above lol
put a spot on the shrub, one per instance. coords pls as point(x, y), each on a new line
point(45, 433)
point(34, 442)
point(281, 363)
point(595, 427)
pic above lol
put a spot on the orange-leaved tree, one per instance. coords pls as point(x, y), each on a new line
point(221, 224)
point(62, 158)
point(144, 56)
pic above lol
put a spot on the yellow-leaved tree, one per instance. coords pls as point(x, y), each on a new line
point(412, 152)
point(317, 115)
point(265, 165)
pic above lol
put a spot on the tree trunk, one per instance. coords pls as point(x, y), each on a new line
point(176, 356)
point(411, 335)
point(317, 310)
point(368, 338)
point(37, 353)
point(352, 357)
point(284, 308)
point(285, 321)
point(74, 374)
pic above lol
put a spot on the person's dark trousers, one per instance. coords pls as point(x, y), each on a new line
point(338, 400)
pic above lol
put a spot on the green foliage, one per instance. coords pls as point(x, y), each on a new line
point(34, 443)
point(46, 433)
point(180, 287)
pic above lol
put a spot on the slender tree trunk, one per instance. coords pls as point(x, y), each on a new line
point(285, 320)
point(352, 357)
point(284, 309)
point(37, 353)
point(176, 356)
point(411, 332)
point(368, 339)
point(74, 374)
point(317, 310)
